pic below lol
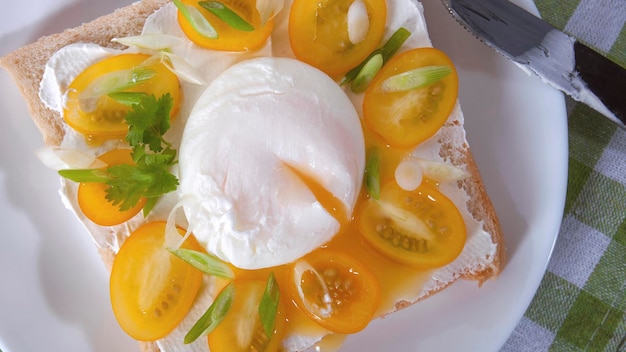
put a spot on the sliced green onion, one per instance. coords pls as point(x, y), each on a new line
point(351, 75)
point(213, 316)
point(269, 305)
point(405, 220)
point(394, 43)
point(85, 175)
point(416, 78)
point(117, 81)
point(204, 262)
point(139, 75)
point(112, 82)
point(150, 41)
point(128, 98)
point(443, 171)
point(227, 15)
point(321, 308)
point(198, 22)
point(367, 73)
point(372, 173)
point(391, 46)
point(181, 68)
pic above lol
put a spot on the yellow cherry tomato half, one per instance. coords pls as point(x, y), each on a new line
point(229, 38)
point(151, 289)
point(104, 117)
point(406, 118)
point(422, 228)
point(319, 32)
point(92, 195)
point(241, 329)
point(334, 290)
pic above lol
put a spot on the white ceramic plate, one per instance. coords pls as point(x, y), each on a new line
point(55, 290)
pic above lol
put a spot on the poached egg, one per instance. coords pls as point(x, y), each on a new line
point(272, 156)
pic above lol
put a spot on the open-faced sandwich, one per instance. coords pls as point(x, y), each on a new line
point(260, 175)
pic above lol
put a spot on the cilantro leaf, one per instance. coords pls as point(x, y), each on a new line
point(166, 157)
point(129, 183)
point(149, 205)
point(162, 180)
point(148, 120)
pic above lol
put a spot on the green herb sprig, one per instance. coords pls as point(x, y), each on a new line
point(150, 177)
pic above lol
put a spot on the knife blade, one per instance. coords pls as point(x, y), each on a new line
point(558, 58)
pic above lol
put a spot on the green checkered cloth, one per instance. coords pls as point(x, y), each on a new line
point(581, 301)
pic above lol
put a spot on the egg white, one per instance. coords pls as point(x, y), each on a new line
point(256, 122)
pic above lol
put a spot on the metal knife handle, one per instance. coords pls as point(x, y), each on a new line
point(608, 83)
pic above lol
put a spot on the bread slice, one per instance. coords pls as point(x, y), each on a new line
point(26, 65)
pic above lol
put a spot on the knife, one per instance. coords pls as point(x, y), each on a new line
point(556, 57)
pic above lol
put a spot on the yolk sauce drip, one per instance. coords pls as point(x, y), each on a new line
point(424, 218)
point(397, 280)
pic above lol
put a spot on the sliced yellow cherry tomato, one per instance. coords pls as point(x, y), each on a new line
point(318, 33)
point(241, 329)
point(92, 195)
point(406, 118)
point(229, 38)
point(151, 289)
point(104, 118)
point(335, 290)
point(421, 227)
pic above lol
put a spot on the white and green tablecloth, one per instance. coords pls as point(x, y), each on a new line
point(581, 301)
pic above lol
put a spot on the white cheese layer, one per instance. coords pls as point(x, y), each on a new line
point(253, 126)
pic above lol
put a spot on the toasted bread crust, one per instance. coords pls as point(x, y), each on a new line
point(482, 210)
point(27, 64)
point(480, 207)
